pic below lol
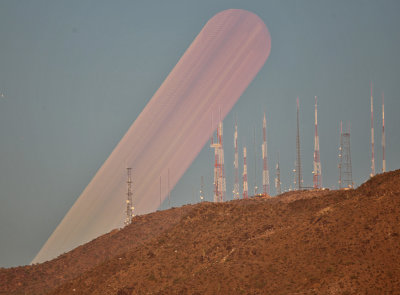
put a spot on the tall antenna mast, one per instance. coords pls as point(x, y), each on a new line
point(160, 192)
point(129, 203)
point(340, 155)
point(222, 161)
point(255, 162)
point(245, 187)
point(372, 136)
point(219, 169)
point(278, 178)
point(202, 189)
point(298, 159)
point(236, 165)
point(169, 193)
point(317, 161)
point(347, 178)
point(265, 161)
point(383, 135)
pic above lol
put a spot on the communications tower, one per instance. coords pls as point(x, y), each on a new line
point(236, 165)
point(340, 155)
point(129, 203)
point(346, 177)
point(202, 189)
point(299, 178)
point(265, 160)
point(372, 136)
point(245, 186)
point(219, 169)
point(255, 163)
point(278, 178)
point(383, 135)
point(317, 177)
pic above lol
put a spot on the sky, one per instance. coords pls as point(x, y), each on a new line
point(76, 74)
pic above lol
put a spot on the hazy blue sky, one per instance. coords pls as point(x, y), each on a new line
point(76, 74)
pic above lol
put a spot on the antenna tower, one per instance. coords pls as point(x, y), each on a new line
point(340, 155)
point(255, 163)
point(346, 171)
point(219, 169)
point(278, 178)
point(169, 192)
point(202, 189)
point(129, 203)
point(317, 161)
point(236, 166)
point(383, 135)
point(265, 161)
point(245, 187)
point(298, 160)
point(372, 136)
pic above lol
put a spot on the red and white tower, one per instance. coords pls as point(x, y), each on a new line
point(265, 161)
point(245, 185)
point(317, 177)
point(383, 135)
point(372, 136)
point(219, 169)
point(236, 165)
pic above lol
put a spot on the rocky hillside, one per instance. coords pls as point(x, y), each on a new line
point(308, 242)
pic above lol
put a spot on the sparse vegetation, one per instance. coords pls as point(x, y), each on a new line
point(308, 242)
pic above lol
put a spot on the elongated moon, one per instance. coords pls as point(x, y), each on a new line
point(171, 130)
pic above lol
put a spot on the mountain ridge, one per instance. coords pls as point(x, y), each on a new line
point(302, 242)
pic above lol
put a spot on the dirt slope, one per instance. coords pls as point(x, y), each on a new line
point(309, 242)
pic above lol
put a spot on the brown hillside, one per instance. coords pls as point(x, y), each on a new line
point(40, 278)
point(308, 242)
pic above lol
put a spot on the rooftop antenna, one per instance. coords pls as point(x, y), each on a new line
point(317, 161)
point(236, 165)
point(298, 159)
point(383, 135)
point(129, 203)
point(265, 161)
point(278, 178)
point(245, 187)
point(372, 136)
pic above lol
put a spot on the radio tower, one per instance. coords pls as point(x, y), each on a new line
point(129, 204)
point(317, 161)
point(236, 166)
point(340, 156)
point(219, 170)
point(383, 135)
point(278, 178)
point(345, 165)
point(298, 160)
point(372, 136)
point(202, 189)
point(245, 187)
point(255, 163)
point(169, 192)
point(265, 162)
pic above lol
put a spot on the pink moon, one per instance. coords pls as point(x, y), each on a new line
point(171, 130)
